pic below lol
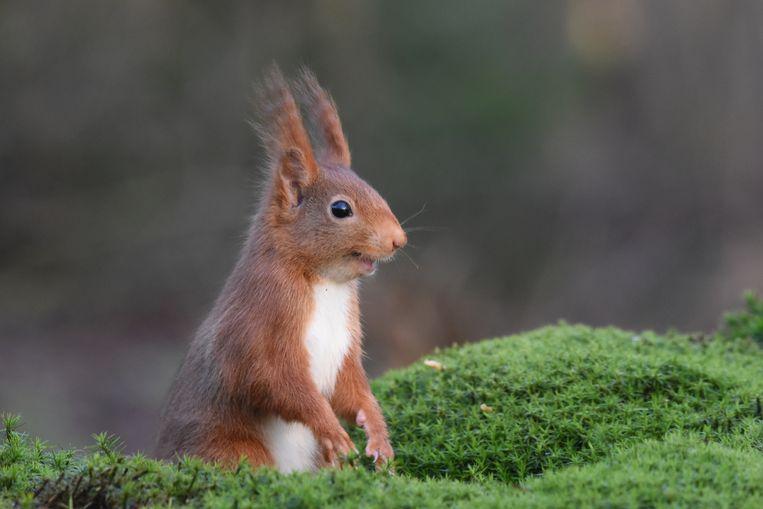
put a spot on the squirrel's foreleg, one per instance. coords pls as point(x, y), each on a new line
point(354, 402)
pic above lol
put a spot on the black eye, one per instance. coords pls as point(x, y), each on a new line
point(341, 209)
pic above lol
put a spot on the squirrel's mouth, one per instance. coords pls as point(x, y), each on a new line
point(367, 263)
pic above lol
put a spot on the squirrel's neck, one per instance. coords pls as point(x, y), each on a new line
point(268, 264)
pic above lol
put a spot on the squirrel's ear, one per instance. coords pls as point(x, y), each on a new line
point(291, 178)
point(281, 130)
point(323, 114)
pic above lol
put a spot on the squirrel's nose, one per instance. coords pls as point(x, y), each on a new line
point(399, 239)
point(391, 236)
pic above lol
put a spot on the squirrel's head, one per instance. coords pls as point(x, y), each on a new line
point(316, 207)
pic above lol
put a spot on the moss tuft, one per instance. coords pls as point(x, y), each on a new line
point(746, 324)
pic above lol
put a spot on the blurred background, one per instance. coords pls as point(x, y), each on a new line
point(592, 161)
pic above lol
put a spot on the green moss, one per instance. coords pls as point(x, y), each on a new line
point(577, 417)
point(681, 471)
point(31, 474)
point(562, 396)
point(746, 324)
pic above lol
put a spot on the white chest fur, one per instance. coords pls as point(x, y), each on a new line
point(327, 340)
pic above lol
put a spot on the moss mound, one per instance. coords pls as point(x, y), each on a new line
point(561, 396)
point(681, 471)
point(558, 417)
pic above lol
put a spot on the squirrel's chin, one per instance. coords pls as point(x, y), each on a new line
point(350, 269)
point(370, 272)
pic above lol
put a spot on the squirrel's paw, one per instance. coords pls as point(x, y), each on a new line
point(380, 450)
point(336, 446)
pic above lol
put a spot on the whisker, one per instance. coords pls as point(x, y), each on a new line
point(423, 207)
point(409, 258)
point(425, 229)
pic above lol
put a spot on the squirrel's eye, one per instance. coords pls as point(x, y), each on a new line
point(341, 209)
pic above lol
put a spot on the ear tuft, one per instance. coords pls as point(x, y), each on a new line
point(323, 114)
point(279, 123)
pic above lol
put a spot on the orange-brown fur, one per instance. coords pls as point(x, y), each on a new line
point(248, 360)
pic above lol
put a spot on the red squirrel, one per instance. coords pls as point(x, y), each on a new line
point(279, 356)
